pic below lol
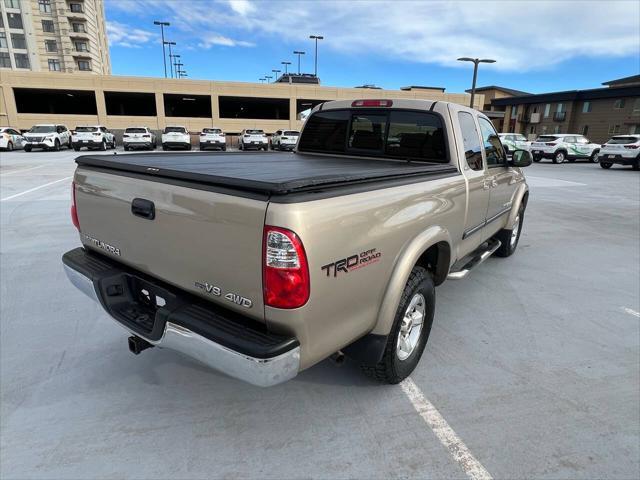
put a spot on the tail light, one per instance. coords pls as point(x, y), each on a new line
point(285, 273)
point(125, 135)
point(632, 146)
point(96, 134)
point(74, 210)
point(372, 103)
point(146, 135)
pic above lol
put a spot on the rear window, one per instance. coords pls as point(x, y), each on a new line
point(211, 130)
point(255, 132)
point(175, 129)
point(546, 138)
point(623, 140)
point(86, 129)
point(290, 133)
point(135, 130)
point(400, 134)
point(42, 129)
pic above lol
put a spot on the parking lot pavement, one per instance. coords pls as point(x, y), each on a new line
point(533, 361)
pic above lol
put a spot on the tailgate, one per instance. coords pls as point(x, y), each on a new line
point(205, 242)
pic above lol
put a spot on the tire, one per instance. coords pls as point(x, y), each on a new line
point(27, 148)
point(126, 149)
point(391, 368)
point(240, 146)
point(9, 146)
point(103, 146)
point(77, 149)
point(56, 145)
point(559, 157)
point(189, 147)
point(224, 149)
point(509, 238)
point(536, 159)
point(165, 148)
point(594, 156)
point(636, 165)
point(606, 165)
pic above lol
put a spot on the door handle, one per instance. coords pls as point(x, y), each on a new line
point(143, 208)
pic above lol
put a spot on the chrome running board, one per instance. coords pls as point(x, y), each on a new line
point(477, 257)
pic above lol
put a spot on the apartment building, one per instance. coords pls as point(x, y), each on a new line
point(54, 35)
point(596, 113)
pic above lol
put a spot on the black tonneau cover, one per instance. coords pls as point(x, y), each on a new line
point(273, 173)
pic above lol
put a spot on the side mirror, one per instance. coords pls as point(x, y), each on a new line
point(520, 158)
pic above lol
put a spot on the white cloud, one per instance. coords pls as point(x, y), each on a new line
point(519, 35)
point(122, 35)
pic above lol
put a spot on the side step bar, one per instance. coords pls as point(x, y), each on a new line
point(478, 257)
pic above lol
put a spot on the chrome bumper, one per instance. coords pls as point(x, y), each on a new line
point(262, 372)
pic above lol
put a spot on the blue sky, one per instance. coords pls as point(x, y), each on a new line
point(539, 46)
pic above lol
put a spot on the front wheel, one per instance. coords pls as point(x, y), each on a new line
point(510, 236)
point(77, 149)
point(410, 330)
point(606, 165)
point(27, 148)
point(56, 145)
point(559, 157)
point(594, 156)
point(103, 146)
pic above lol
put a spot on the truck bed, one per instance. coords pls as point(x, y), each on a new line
point(272, 173)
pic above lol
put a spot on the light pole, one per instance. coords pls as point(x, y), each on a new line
point(262, 80)
point(286, 64)
point(178, 66)
point(475, 61)
point(276, 73)
point(299, 53)
point(164, 55)
point(170, 43)
point(268, 77)
point(173, 62)
point(316, 38)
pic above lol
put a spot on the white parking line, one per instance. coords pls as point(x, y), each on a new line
point(458, 450)
point(34, 189)
point(631, 312)
point(21, 171)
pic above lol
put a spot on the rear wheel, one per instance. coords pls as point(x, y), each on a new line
point(10, 146)
point(536, 159)
point(410, 330)
point(636, 165)
point(594, 156)
point(77, 149)
point(103, 146)
point(56, 145)
point(606, 165)
point(559, 157)
point(509, 237)
point(165, 148)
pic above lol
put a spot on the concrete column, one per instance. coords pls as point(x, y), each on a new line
point(215, 111)
point(161, 120)
point(293, 113)
point(101, 107)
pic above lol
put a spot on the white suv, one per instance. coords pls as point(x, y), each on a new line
point(92, 137)
point(564, 146)
point(284, 139)
point(138, 137)
point(621, 149)
point(213, 138)
point(176, 137)
point(514, 141)
point(10, 139)
point(48, 137)
point(253, 138)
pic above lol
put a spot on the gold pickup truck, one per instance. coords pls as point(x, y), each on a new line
point(262, 264)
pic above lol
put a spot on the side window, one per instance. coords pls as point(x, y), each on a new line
point(582, 140)
point(367, 132)
point(470, 140)
point(569, 139)
point(492, 146)
point(325, 132)
point(416, 135)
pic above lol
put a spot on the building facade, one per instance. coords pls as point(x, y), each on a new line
point(597, 113)
point(28, 98)
point(54, 35)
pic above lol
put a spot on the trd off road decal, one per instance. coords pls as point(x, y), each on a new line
point(352, 262)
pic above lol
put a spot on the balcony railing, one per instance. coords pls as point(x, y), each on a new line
point(559, 116)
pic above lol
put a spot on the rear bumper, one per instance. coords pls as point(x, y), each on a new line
point(135, 144)
point(220, 339)
point(176, 144)
point(617, 159)
point(258, 146)
point(287, 146)
point(86, 143)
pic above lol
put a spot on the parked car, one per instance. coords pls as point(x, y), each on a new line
point(564, 146)
point(47, 137)
point(176, 137)
point(213, 138)
point(253, 138)
point(139, 138)
point(263, 265)
point(284, 139)
point(621, 150)
point(514, 141)
point(11, 139)
point(94, 137)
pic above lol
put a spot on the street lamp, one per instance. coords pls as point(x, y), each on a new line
point(316, 38)
point(268, 77)
point(299, 53)
point(170, 43)
point(475, 61)
point(286, 64)
point(276, 73)
point(178, 67)
point(262, 80)
point(164, 56)
point(173, 62)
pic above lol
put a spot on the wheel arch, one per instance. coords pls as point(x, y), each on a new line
point(520, 197)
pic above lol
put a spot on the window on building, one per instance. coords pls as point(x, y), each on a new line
point(547, 109)
point(514, 111)
point(535, 109)
point(15, 20)
point(44, 6)
point(492, 145)
point(1, 22)
point(18, 41)
point(84, 65)
point(75, 7)
point(12, 4)
point(556, 129)
point(78, 27)
point(3, 40)
point(614, 129)
point(618, 104)
point(54, 65)
point(50, 46)
point(560, 108)
point(585, 130)
point(22, 60)
point(636, 107)
point(81, 46)
point(586, 107)
point(5, 60)
point(470, 140)
point(47, 26)
point(544, 129)
point(532, 129)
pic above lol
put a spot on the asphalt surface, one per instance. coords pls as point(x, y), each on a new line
point(534, 361)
